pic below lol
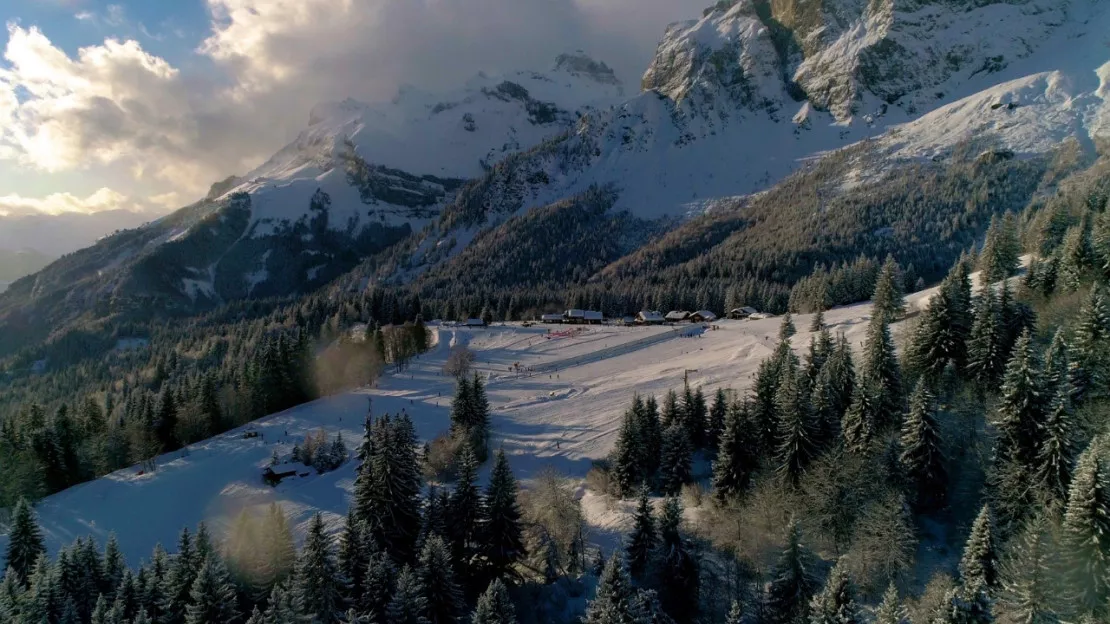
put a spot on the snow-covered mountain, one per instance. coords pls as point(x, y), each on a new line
point(732, 103)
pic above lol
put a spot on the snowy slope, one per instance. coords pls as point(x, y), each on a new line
point(563, 414)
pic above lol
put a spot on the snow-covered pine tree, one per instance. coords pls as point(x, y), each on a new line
point(465, 510)
point(1086, 530)
point(858, 425)
point(881, 368)
point(612, 603)
point(718, 413)
point(500, 526)
point(25, 543)
point(677, 564)
point(442, 596)
point(888, 299)
point(11, 595)
point(1076, 256)
point(922, 457)
point(408, 605)
point(316, 583)
point(1027, 584)
point(641, 543)
point(651, 435)
point(736, 456)
point(648, 609)
point(212, 598)
point(979, 564)
point(179, 579)
point(625, 457)
point(735, 614)
point(792, 584)
point(1056, 455)
point(494, 606)
point(836, 603)
point(353, 558)
point(671, 410)
point(378, 589)
point(1020, 414)
point(796, 447)
point(675, 459)
point(890, 610)
point(986, 359)
point(1092, 346)
point(280, 608)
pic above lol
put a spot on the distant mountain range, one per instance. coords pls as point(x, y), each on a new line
point(733, 103)
point(16, 264)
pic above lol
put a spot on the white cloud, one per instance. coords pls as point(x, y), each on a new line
point(263, 66)
point(60, 203)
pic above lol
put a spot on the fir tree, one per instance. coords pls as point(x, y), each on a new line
point(718, 414)
point(212, 598)
point(922, 457)
point(881, 368)
point(1092, 346)
point(612, 604)
point(1027, 577)
point(817, 323)
point(353, 557)
point(890, 610)
point(986, 359)
point(979, 564)
point(1020, 415)
point(859, 423)
point(408, 605)
point(1086, 531)
point(179, 580)
point(25, 544)
point(11, 595)
point(836, 604)
point(379, 587)
point(735, 614)
point(465, 510)
point(675, 459)
point(736, 459)
point(792, 584)
point(625, 458)
point(642, 541)
point(962, 607)
point(494, 606)
point(999, 258)
point(646, 608)
point(677, 564)
point(316, 591)
point(888, 300)
point(442, 596)
point(796, 434)
point(280, 609)
point(114, 565)
point(671, 412)
point(1057, 450)
point(501, 537)
point(650, 435)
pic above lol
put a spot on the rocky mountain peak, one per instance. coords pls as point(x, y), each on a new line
point(582, 65)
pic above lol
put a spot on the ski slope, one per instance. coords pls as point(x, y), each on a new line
point(563, 413)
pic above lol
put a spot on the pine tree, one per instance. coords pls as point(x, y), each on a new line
point(962, 607)
point(280, 609)
point(1057, 450)
point(890, 610)
point(985, 356)
point(792, 584)
point(941, 335)
point(646, 608)
point(280, 551)
point(11, 595)
point(353, 557)
point(922, 457)
point(836, 604)
point(889, 300)
point(786, 328)
point(494, 606)
point(316, 590)
point(1020, 415)
point(465, 510)
point(379, 589)
point(25, 543)
point(625, 458)
point(817, 323)
point(179, 580)
point(675, 459)
point(501, 537)
point(642, 542)
point(999, 258)
point(796, 433)
point(736, 458)
point(671, 411)
point(881, 368)
point(1092, 346)
point(735, 614)
point(213, 596)
point(979, 564)
point(114, 565)
point(442, 596)
point(1027, 577)
point(612, 604)
point(650, 435)
point(1076, 255)
point(677, 564)
point(165, 426)
point(718, 414)
point(408, 605)
point(1086, 530)
point(859, 423)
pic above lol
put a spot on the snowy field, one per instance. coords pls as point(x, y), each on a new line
point(563, 413)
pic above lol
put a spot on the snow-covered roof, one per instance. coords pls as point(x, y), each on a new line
point(591, 315)
point(574, 313)
point(551, 317)
point(706, 314)
point(475, 322)
point(677, 315)
point(650, 316)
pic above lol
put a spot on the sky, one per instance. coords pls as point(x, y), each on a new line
point(140, 105)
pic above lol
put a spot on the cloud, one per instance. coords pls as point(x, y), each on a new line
point(265, 63)
point(102, 200)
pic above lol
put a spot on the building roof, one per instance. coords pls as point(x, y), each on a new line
point(475, 321)
point(705, 314)
point(573, 313)
point(677, 315)
point(591, 315)
point(648, 315)
point(551, 317)
point(745, 310)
